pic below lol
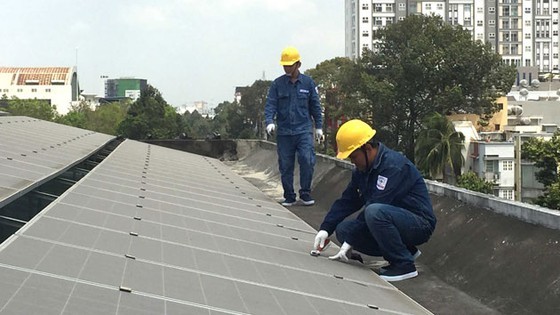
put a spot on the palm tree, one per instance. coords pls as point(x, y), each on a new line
point(438, 148)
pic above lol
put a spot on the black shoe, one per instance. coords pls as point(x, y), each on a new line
point(397, 272)
point(307, 200)
point(288, 202)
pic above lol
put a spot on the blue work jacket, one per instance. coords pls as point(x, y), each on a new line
point(391, 179)
point(293, 105)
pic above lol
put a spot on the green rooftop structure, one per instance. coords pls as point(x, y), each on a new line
point(124, 87)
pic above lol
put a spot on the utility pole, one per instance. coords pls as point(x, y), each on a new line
point(517, 170)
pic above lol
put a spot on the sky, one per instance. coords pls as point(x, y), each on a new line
point(190, 50)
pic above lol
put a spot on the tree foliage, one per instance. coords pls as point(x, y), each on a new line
point(439, 147)
point(424, 65)
point(35, 108)
point(252, 109)
point(471, 181)
point(546, 156)
point(331, 76)
point(150, 117)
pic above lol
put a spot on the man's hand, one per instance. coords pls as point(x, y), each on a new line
point(342, 255)
point(270, 129)
point(320, 240)
point(319, 135)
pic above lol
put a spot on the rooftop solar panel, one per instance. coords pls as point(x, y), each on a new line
point(152, 230)
point(33, 151)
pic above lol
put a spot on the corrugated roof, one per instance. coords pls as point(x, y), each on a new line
point(152, 230)
point(42, 75)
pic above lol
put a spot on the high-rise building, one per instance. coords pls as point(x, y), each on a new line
point(124, 87)
point(523, 32)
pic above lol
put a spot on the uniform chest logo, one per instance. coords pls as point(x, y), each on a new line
point(381, 182)
point(304, 91)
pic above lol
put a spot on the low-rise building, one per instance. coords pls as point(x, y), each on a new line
point(56, 85)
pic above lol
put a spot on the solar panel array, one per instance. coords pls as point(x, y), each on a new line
point(152, 230)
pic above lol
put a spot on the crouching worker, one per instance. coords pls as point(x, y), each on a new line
point(397, 212)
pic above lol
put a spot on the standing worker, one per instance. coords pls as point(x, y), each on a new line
point(293, 99)
point(398, 213)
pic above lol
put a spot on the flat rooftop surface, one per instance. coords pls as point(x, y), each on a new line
point(152, 230)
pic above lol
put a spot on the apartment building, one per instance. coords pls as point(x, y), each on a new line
point(524, 32)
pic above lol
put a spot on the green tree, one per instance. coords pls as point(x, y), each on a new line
point(471, 181)
point(252, 109)
point(439, 147)
point(424, 65)
point(77, 116)
point(107, 117)
point(546, 156)
point(196, 126)
point(35, 108)
point(150, 117)
point(330, 76)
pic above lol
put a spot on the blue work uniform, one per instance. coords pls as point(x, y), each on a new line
point(297, 109)
point(397, 215)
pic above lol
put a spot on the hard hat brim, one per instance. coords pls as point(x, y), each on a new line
point(288, 63)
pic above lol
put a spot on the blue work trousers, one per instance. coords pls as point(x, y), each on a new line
point(387, 231)
point(287, 146)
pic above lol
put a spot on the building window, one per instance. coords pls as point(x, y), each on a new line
point(527, 35)
point(365, 6)
point(440, 6)
point(479, 9)
point(507, 165)
point(402, 7)
point(389, 7)
point(506, 194)
point(390, 20)
point(33, 90)
point(365, 19)
point(378, 21)
point(555, 55)
point(20, 90)
point(528, 48)
point(401, 18)
point(48, 90)
point(365, 34)
point(378, 7)
point(491, 35)
point(527, 22)
point(479, 23)
point(428, 6)
point(491, 22)
point(492, 10)
point(527, 10)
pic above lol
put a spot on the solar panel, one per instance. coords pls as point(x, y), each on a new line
point(153, 230)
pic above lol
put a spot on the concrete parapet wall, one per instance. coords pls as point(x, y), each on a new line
point(526, 212)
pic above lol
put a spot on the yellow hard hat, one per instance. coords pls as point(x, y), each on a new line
point(290, 55)
point(352, 135)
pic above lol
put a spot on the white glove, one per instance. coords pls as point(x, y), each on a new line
point(270, 128)
point(343, 253)
point(319, 135)
point(320, 240)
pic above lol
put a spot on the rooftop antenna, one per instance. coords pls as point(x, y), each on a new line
point(77, 87)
